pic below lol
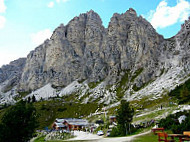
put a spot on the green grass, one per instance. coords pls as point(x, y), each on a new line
point(71, 98)
point(79, 141)
point(81, 80)
point(2, 112)
point(146, 103)
point(135, 88)
point(56, 141)
point(40, 139)
point(150, 116)
point(122, 85)
point(84, 96)
point(50, 110)
point(22, 95)
point(182, 92)
point(162, 71)
point(57, 108)
point(150, 137)
point(152, 105)
point(93, 84)
point(113, 110)
point(136, 73)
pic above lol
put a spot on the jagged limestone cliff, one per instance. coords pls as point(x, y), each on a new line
point(128, 55)
point(10, 74)
point(85, 50)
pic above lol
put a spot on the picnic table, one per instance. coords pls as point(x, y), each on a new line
point(154, 130)
point(179, 136)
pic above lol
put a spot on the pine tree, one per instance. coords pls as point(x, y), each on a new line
point(33, 99)
point(184, 94)
point(124, 117)
point(29, 99)
point(18, 123)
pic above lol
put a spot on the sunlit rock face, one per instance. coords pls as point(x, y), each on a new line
point(10, 74)
point(85, 50)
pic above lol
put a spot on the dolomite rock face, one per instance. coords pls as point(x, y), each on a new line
point(132, 44)
point(85, 50)
point(182, 46)
point(10, 74)
point(73, 52)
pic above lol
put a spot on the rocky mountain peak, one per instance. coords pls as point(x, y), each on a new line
point(10, 74)
point(131, 11)
point(185, 28)
point(59, 32)
point(91, 15)
point(83, 50)
point(88, 16)
point(186, 25)
point(87, 51)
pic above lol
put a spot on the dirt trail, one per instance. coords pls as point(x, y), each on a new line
point(92, 137)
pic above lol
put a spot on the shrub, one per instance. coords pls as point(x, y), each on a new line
point(115, 132)
point(61, 109)
point(182, 92)
point(171, 122)
point(168, 122)
point(18, 123)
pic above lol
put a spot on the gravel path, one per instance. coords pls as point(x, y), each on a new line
point(92, 137)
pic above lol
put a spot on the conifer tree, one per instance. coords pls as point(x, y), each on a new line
point(33, 99)
point(18, 123)
point(124, 117)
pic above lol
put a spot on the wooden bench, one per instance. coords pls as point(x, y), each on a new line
point(178, 136)
point(163, 137)
point(155, 130)
point(188, 134)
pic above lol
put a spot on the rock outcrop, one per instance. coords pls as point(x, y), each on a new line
point(84, 50)
point(10, 74)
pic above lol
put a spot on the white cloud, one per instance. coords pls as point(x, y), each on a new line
point(39, 37)
point(51, 4)
point(165, 15)
point(57, 1)
point(2, 6)
point(2, 22)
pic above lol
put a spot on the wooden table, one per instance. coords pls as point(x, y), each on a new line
point(179, 136)
point(157, 129)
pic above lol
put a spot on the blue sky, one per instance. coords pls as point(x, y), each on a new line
point(24, 24)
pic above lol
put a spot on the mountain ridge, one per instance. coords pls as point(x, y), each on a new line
point(84, 50)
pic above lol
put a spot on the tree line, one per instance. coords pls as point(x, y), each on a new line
point(19, 122)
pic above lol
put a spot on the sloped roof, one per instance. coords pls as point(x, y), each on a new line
point(113, 116)
point(59, 120)
point(73, 121)
point(60, 125)
point(79, 122)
